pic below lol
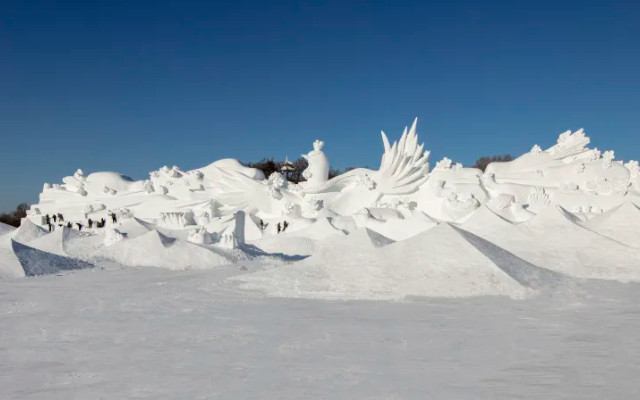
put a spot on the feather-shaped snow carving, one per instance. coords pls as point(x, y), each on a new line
point(404, 165)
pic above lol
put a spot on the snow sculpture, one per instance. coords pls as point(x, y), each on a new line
point(445, 163)
point(568, 169)
point(634, 173)
point(538, 199)
point(199, 236)
point(177, 219)
point(366, 182)
point(228, 240)
point(607, 159)
point(292, 209)
point(227, 196)
point(318, 170)
point(404, 165)
point(82, 191)
point(148, 186)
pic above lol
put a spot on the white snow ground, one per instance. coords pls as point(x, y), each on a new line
point(152, 333)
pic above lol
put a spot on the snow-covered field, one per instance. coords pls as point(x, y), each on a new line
point(519, 281)
point(155, 333)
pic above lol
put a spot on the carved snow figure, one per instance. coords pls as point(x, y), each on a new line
point(566, 171)
point(228, 240)
point(317, 172)
point(568, 174)
point(199, 236)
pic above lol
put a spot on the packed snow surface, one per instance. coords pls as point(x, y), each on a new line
point(215, 282)
point(153, 333)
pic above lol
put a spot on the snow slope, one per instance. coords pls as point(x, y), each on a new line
point(440, 262)
point(37, 262)
point(10, 266)
point(154, 249)
point(553, 241)
point(621, 224)
point(4, 228)
point(28, 231)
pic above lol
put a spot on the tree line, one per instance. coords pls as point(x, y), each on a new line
point(13, 218)
point(268, 166)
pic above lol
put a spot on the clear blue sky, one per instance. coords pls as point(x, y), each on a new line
point(131, 86)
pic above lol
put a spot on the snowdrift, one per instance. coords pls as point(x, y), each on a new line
point(553, 240)
point(4, 228)
point(28, 231)
point(298, 243)
point(37, 262)
point(154, 249)
point(10, 266)
point(621, 224)
point(441, 262)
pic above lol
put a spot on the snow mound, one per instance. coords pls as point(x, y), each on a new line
point(300, 243)
point(37, 262)
point(361, 238)
point(377, 240)
point(399, 229)
point(182, 234)
point(621, 224)
point(4, 228)
point(83, 245)
point(9, 264)
point(552, 240)
point(217, 170)
point(483, 219)
point(440, 262)
point(28, 231)
point(113, 180)
point(521, 270)
point(51, 243)
point(320, 229)
point(288, 244)
point(133, 227)
point(154, 249)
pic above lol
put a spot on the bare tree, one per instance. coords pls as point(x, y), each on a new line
point(482, 162)
point(16, 216)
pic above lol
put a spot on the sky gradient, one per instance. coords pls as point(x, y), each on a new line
point(132, 86)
